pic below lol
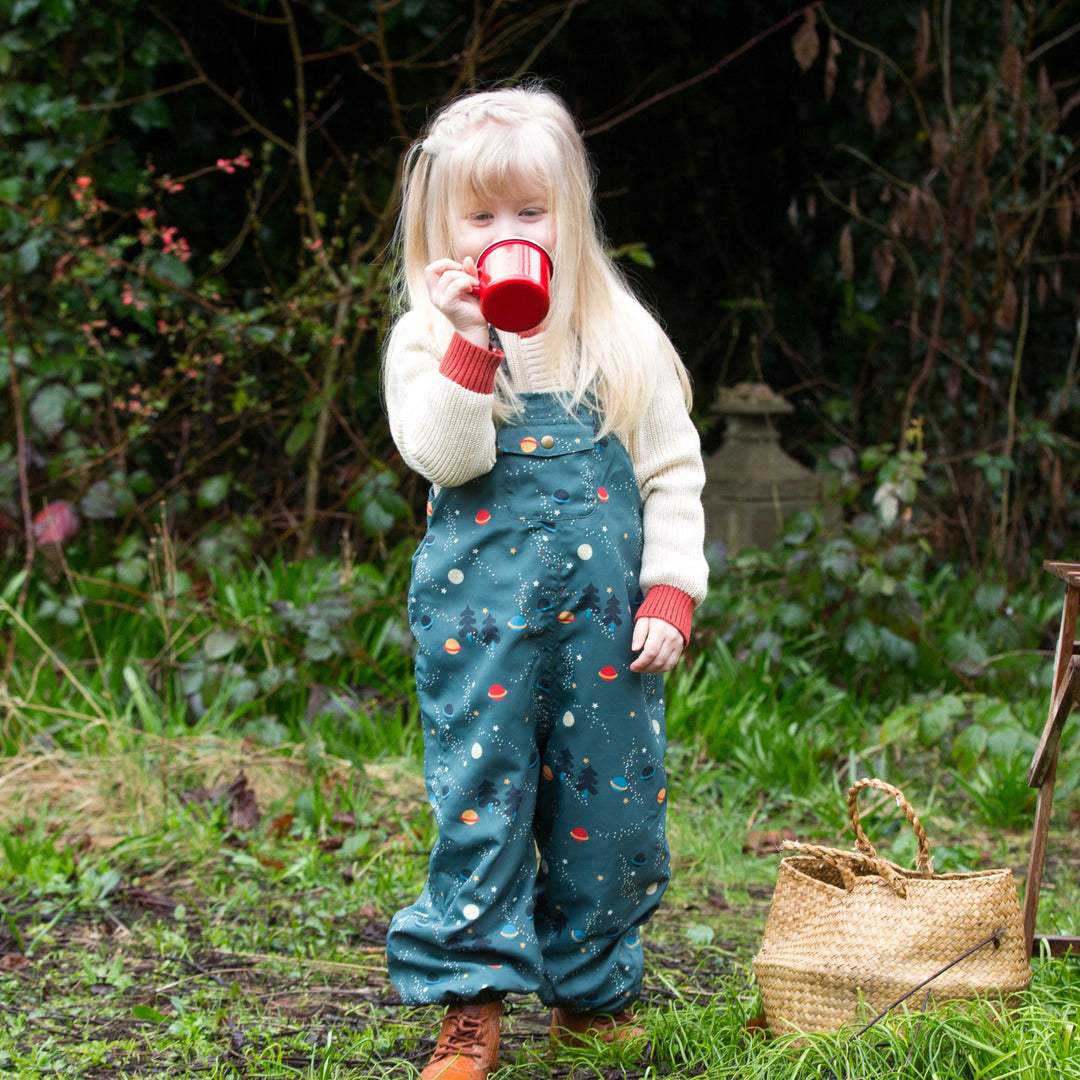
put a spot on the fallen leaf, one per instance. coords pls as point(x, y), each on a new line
point(847, 253)
point(13, 961)
point(878, 104)
point(832, 68)
point(922, 45)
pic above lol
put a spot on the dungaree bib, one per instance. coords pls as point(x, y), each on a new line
point(543, 751)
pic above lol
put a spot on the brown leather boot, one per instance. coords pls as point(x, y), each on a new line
point(468, 1043)
point(576, 1029)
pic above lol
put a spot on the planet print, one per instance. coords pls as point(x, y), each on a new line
point(425, 622)
point(517, 623)
point(471, 911)
point(661, 795)
point(561, 495)
point(647, 773)
point(528, 444)
point(465, 873)
point(566, 616)
point(612, 932)
point(639, 859)
point(470, 817)
point(429, 508)
point(455, 577)
point(633, 941)
point(656, 726)
point(452, 646)
point(432, 977)
point(579, 834)
point(497, 692)
point(608, 673)
point(509, 931)
point(547, 773)
point(534, 757)
point(578, 935)
point(568, 719)
point(483, 517)
point(602, 494)
point(651, 890)
point(448, 710)
point(477, 751)
point(619, 783)
point(544, 604)
point(585, 552)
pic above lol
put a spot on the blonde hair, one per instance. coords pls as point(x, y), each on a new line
point(599, 335)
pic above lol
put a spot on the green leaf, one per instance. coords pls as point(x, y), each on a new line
point(862, 641)
point(990, 597)
point(219, 643)
point(49, 409)
point(99, 502)
point(145, 1012)
point(298, 438)
point(699, 934)
point(172, 269)
point(214, 491)
point(29, 256)
point(939, 717)
point(376, 520)
point(150, 114)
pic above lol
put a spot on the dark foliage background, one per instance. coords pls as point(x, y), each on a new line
point(888, 238)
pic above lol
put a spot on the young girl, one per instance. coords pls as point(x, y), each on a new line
point(562, 563)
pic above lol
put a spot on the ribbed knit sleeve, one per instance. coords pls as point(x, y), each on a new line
point(666, 452)
point(670, 604)
point(440, 404)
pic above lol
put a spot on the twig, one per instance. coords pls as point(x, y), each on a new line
point(24, 480)
point(701, 76)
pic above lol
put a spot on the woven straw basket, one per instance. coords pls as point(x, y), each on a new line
point(850, 933)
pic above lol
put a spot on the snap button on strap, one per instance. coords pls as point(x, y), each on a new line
point(547, 441)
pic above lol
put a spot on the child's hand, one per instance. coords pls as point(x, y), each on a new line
point(450, 285)
point(659, 643)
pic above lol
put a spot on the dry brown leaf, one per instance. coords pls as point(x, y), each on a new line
point(911, 211)
point(1005, 317)
point(939, 143)
point(1048, 105)
point(805, 43)
point(991, 137)
point(1055, 279)
point(811, 206)
point(1042, 290)
point(766, 841)
point(1012, 70)
point(922, 45)
point(860, 82)
point(953, 380)
point(793, 211)
point(13, 961)
point(884, 261)
point(1064, 216)
point(832, 68)
point(878, 103)
point(847, 253)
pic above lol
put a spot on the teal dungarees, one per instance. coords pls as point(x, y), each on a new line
point(543, 750)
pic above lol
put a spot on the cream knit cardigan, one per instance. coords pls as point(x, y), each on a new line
point(446, 432)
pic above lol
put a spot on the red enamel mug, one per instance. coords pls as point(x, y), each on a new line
point(515, 284)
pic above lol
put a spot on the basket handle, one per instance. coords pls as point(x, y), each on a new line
point(844, 861)
point(923, 860)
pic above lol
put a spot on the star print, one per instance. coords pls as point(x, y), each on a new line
point(495, 728)
point(513, 551)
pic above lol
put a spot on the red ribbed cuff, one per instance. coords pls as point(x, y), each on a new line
point(670, 604)
point(470, 366)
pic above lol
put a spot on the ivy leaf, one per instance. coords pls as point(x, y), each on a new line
point(375, 519)
point(862, 641)
point(99, 502)
point(145, 1012)
point(49, 409)
point(219, 643)
point(212, 492)
point(29, 257)
point(151, 113)
point(699, 934)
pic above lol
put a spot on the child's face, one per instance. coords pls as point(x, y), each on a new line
point(523, 211)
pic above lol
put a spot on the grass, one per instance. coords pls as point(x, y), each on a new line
point(211, 804)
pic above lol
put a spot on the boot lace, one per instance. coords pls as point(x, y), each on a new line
point(463, 1035)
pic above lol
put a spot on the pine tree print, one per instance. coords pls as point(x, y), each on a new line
point(512, 801)
point(613, 612)
point(486, 795)
point(565, 763)
point(586, 782)
point(489, 632)
point(468, 623)
point(589, 601)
